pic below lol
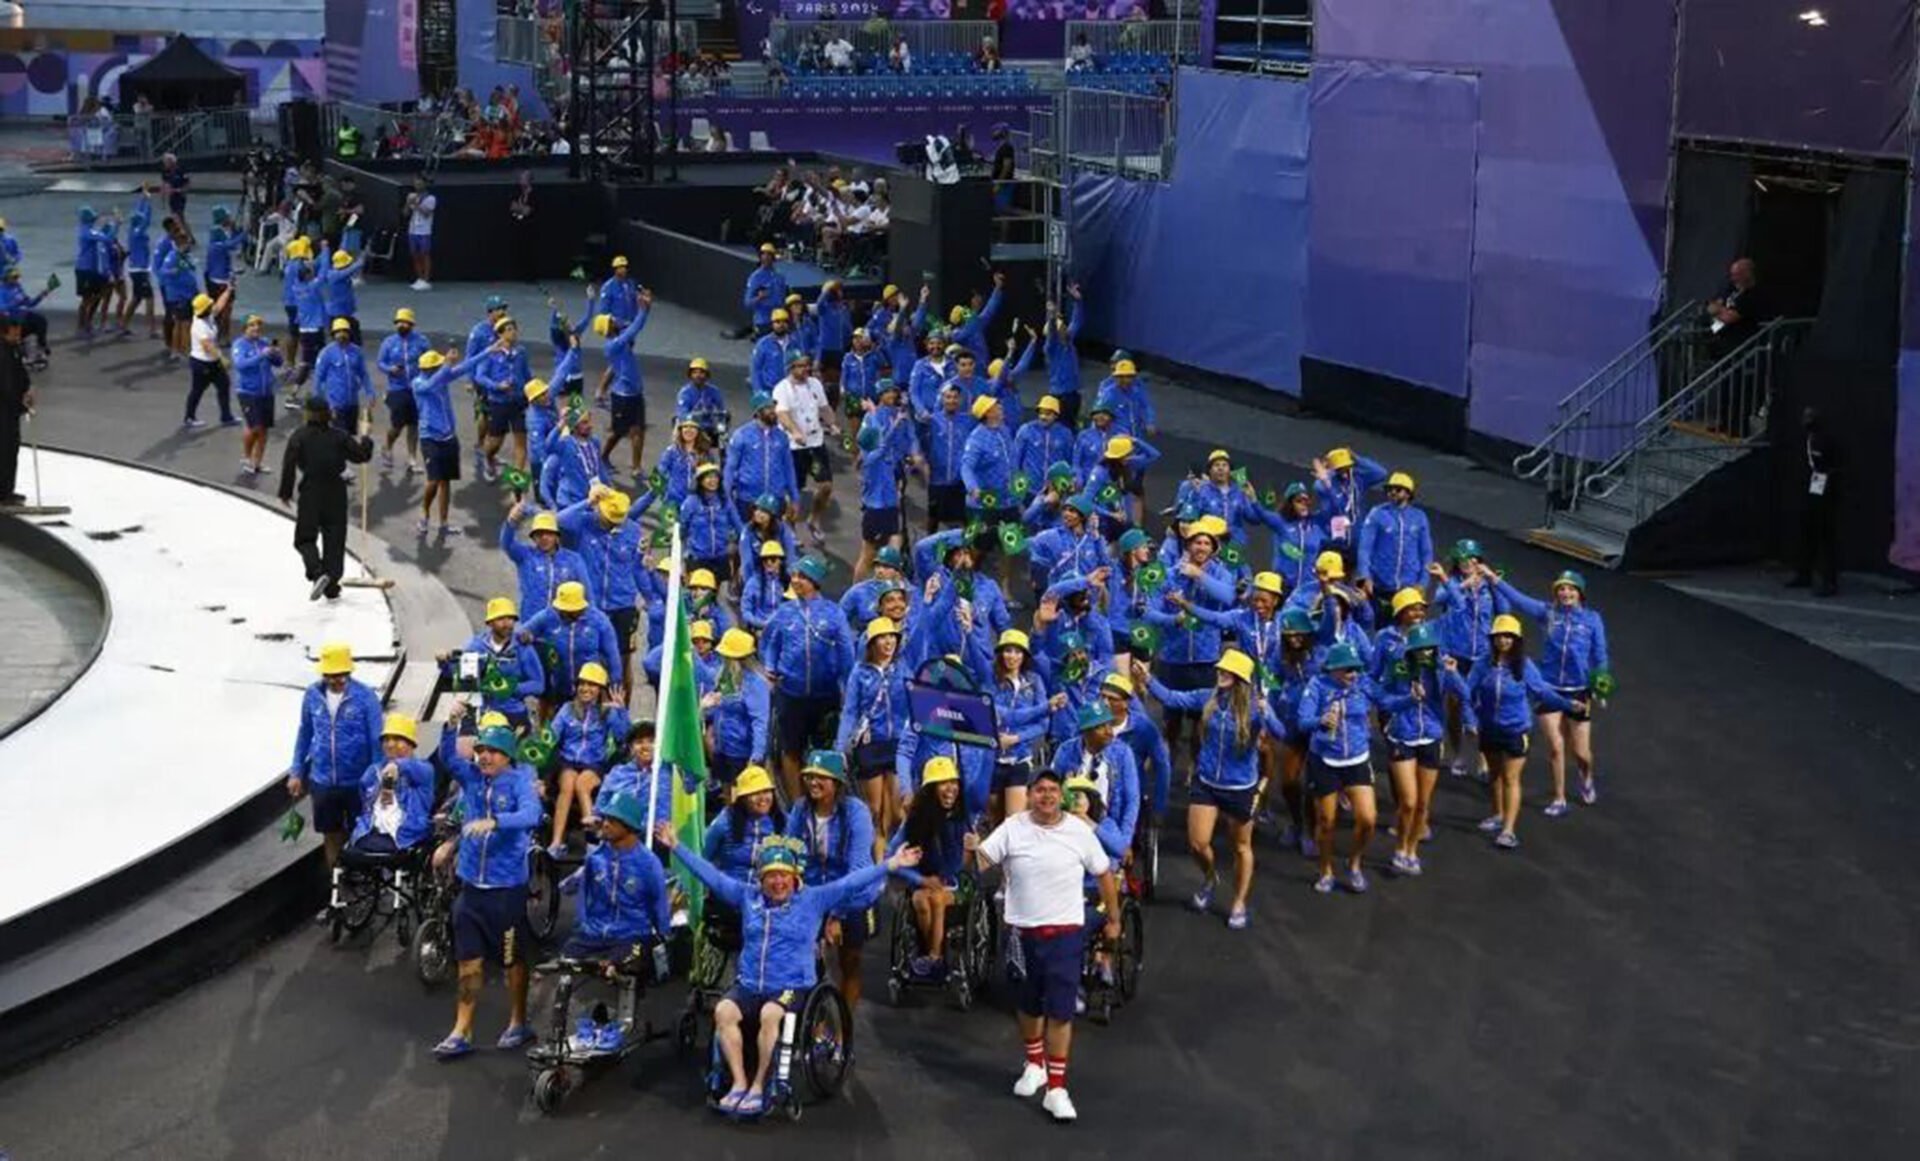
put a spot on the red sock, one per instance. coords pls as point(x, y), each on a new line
point(1036, 1053)
point(1056, 1072)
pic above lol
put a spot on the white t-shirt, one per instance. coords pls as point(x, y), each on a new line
point(839, 54)
point(1046, 868)
point(204, 337)
point(802, 403)
point(422, 220)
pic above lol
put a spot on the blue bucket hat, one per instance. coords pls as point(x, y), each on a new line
point(1080, 504)
point(813, 568)
point(889, 556)
point(760, 401)
point(1341, 656)
point(498, 738)
point(1093, 715)
point(626, 810)
point(1570, 577)
point(496, 302)
point(87, 214)
point(828, 763)
point(1131, 539)
point(768, 503)
point(1297, 621)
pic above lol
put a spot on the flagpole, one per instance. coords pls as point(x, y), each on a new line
point(669, 645)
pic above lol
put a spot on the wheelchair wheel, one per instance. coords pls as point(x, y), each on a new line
point(824, 1049)
point(433, 951)
point(1131, 955)
point(686, 1033)
point(543, 896)
point(550, 1087)
point(979, 936)
point(1148, 859)
point(903, 942)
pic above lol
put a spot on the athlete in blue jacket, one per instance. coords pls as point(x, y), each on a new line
point(779, 927)
point(339, 736)
point(970, 328)
point(835, 828)
point(1396, 543)
point(1574, 662)
point(1413, 692)
point(623, 903)
point(1098, 755)
point(1043, 441)
point(1336, 713)
point(1503, 695)
point(1063, 357)
point(759, 460)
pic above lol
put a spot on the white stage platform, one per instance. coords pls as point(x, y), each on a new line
point(192, 705)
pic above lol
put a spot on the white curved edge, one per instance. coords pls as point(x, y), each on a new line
point(191, 706)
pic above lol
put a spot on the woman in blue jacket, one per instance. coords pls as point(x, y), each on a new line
point(763, 586)
point(838, 833)
point(710, 524)
point(732, 837)
point(1414, 688)
point(737, 708)
point(1226, 773)
point(688, 450)
point(873, 711)
point(1021, 708)
point(587, 734)
point(1574, 662)
point(1297, 535)
point(1463, 601)
point(1336, 714)
point(1501, 698)
point(779, 926)
point(936, 825)
point(1287, 683)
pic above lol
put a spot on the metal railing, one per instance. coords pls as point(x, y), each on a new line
point(925, 38)
point(1594, 420)
point(1174, 39)
point(1122, 133)
point(1727, 404)
point(518, 40)
point(434, 134)
point(124, 137)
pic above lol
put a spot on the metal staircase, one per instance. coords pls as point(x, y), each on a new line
point(1649, 426)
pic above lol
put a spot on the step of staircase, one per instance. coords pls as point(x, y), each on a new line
point(1568, 536)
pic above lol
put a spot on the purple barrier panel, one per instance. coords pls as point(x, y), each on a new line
point(1208, 269)
point(373, 44)
point(1569, 198)
point(1390, 246)
point(480, 69)
point(1784, 71)
point(869, 130)
point(1905, 550)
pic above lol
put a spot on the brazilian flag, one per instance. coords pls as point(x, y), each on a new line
point(1290, 550)
point(550, 656)
point(1239, 477)
point(1022, 486)
point(662, 537)
point(1108, 496)
point(1152, 576)
point(495, 684)
point(1144, 638)
point(963, 584)
point(516, 481)
point(1603, 684)
point(657, 482)
point(292, 825)
point(1232, 555)
point(1013, 538)
point(535, 753)
point(1075, 667)
point(989, 500)
point(1270, 499)
point(975, 529)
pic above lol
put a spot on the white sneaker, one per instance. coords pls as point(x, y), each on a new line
point(422, 284)
point(1033, 1078)
point(1059, 1105)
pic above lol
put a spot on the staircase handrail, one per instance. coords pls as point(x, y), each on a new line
point(1577, 405)
point(1764, 343)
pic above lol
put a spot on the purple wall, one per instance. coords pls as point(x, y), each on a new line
point(1752, 70)
point(1390, 244)
point(862, 129)
point(1570, 188)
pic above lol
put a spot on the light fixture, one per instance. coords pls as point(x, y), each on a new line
point(1813, 18)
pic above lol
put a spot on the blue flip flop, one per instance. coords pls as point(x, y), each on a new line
point(730, 1104)
point(516, 1036)
point(751, 1105)
point(452, 1048)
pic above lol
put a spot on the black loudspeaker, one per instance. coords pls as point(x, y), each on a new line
point(940, 236)
point(300, 129)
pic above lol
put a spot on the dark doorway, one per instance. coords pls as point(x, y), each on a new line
point(1789, 215)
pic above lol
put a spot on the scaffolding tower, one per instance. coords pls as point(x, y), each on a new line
point(619, 93)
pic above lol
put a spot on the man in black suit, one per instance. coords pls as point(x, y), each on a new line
point(1818, 560)
point(319, 454)
point(16, 400)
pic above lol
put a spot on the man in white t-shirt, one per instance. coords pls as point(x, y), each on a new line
point(800, 404)
point(420, 207)
point(839, 54)
point(1047, 854)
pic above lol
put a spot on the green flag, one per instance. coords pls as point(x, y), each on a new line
point(514, 480)
point(1144, 637)
point(1013, 538)
point(1232, 555)
point(1021, 485)
point(1151, 576)
point(681, 746)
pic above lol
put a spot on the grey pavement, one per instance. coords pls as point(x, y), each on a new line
point(52, 622)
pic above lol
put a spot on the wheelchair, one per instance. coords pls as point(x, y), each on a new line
point(560, 1063)
point(1117, 986)
point(716, 947)
point(1143, 873)
point(968, 951)
point(811, 1060)
point(379, 884)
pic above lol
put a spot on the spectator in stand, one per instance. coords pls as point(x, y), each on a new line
point(987, 60)
point(1080, 56)
point(900, 57)
point(838, 54)
point(716, 139)
point(419, 208)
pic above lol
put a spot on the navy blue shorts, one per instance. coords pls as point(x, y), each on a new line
point(811, 463)
point(506, 415)
point(1497, 745)
point(1425, 754)
point(1323, 779)
point(879, 525)
point(626, 624)
point(1577, 693)
point(180, 309)
point(420, 245)
point(1052, 980)
point(87, 283)
point(216, 289)
point(402, 411)
point(803, 721)
point(751, 1002)
point(334, 807)
point(947, 502)
point(629, 413)
point(442, 458)
point(1014, 774)
point(1235, 804)
point(142, 286)
point(257, 410)
point(347, 419)
point(491, 923)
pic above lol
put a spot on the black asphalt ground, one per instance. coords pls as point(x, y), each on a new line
point(1715, 962)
